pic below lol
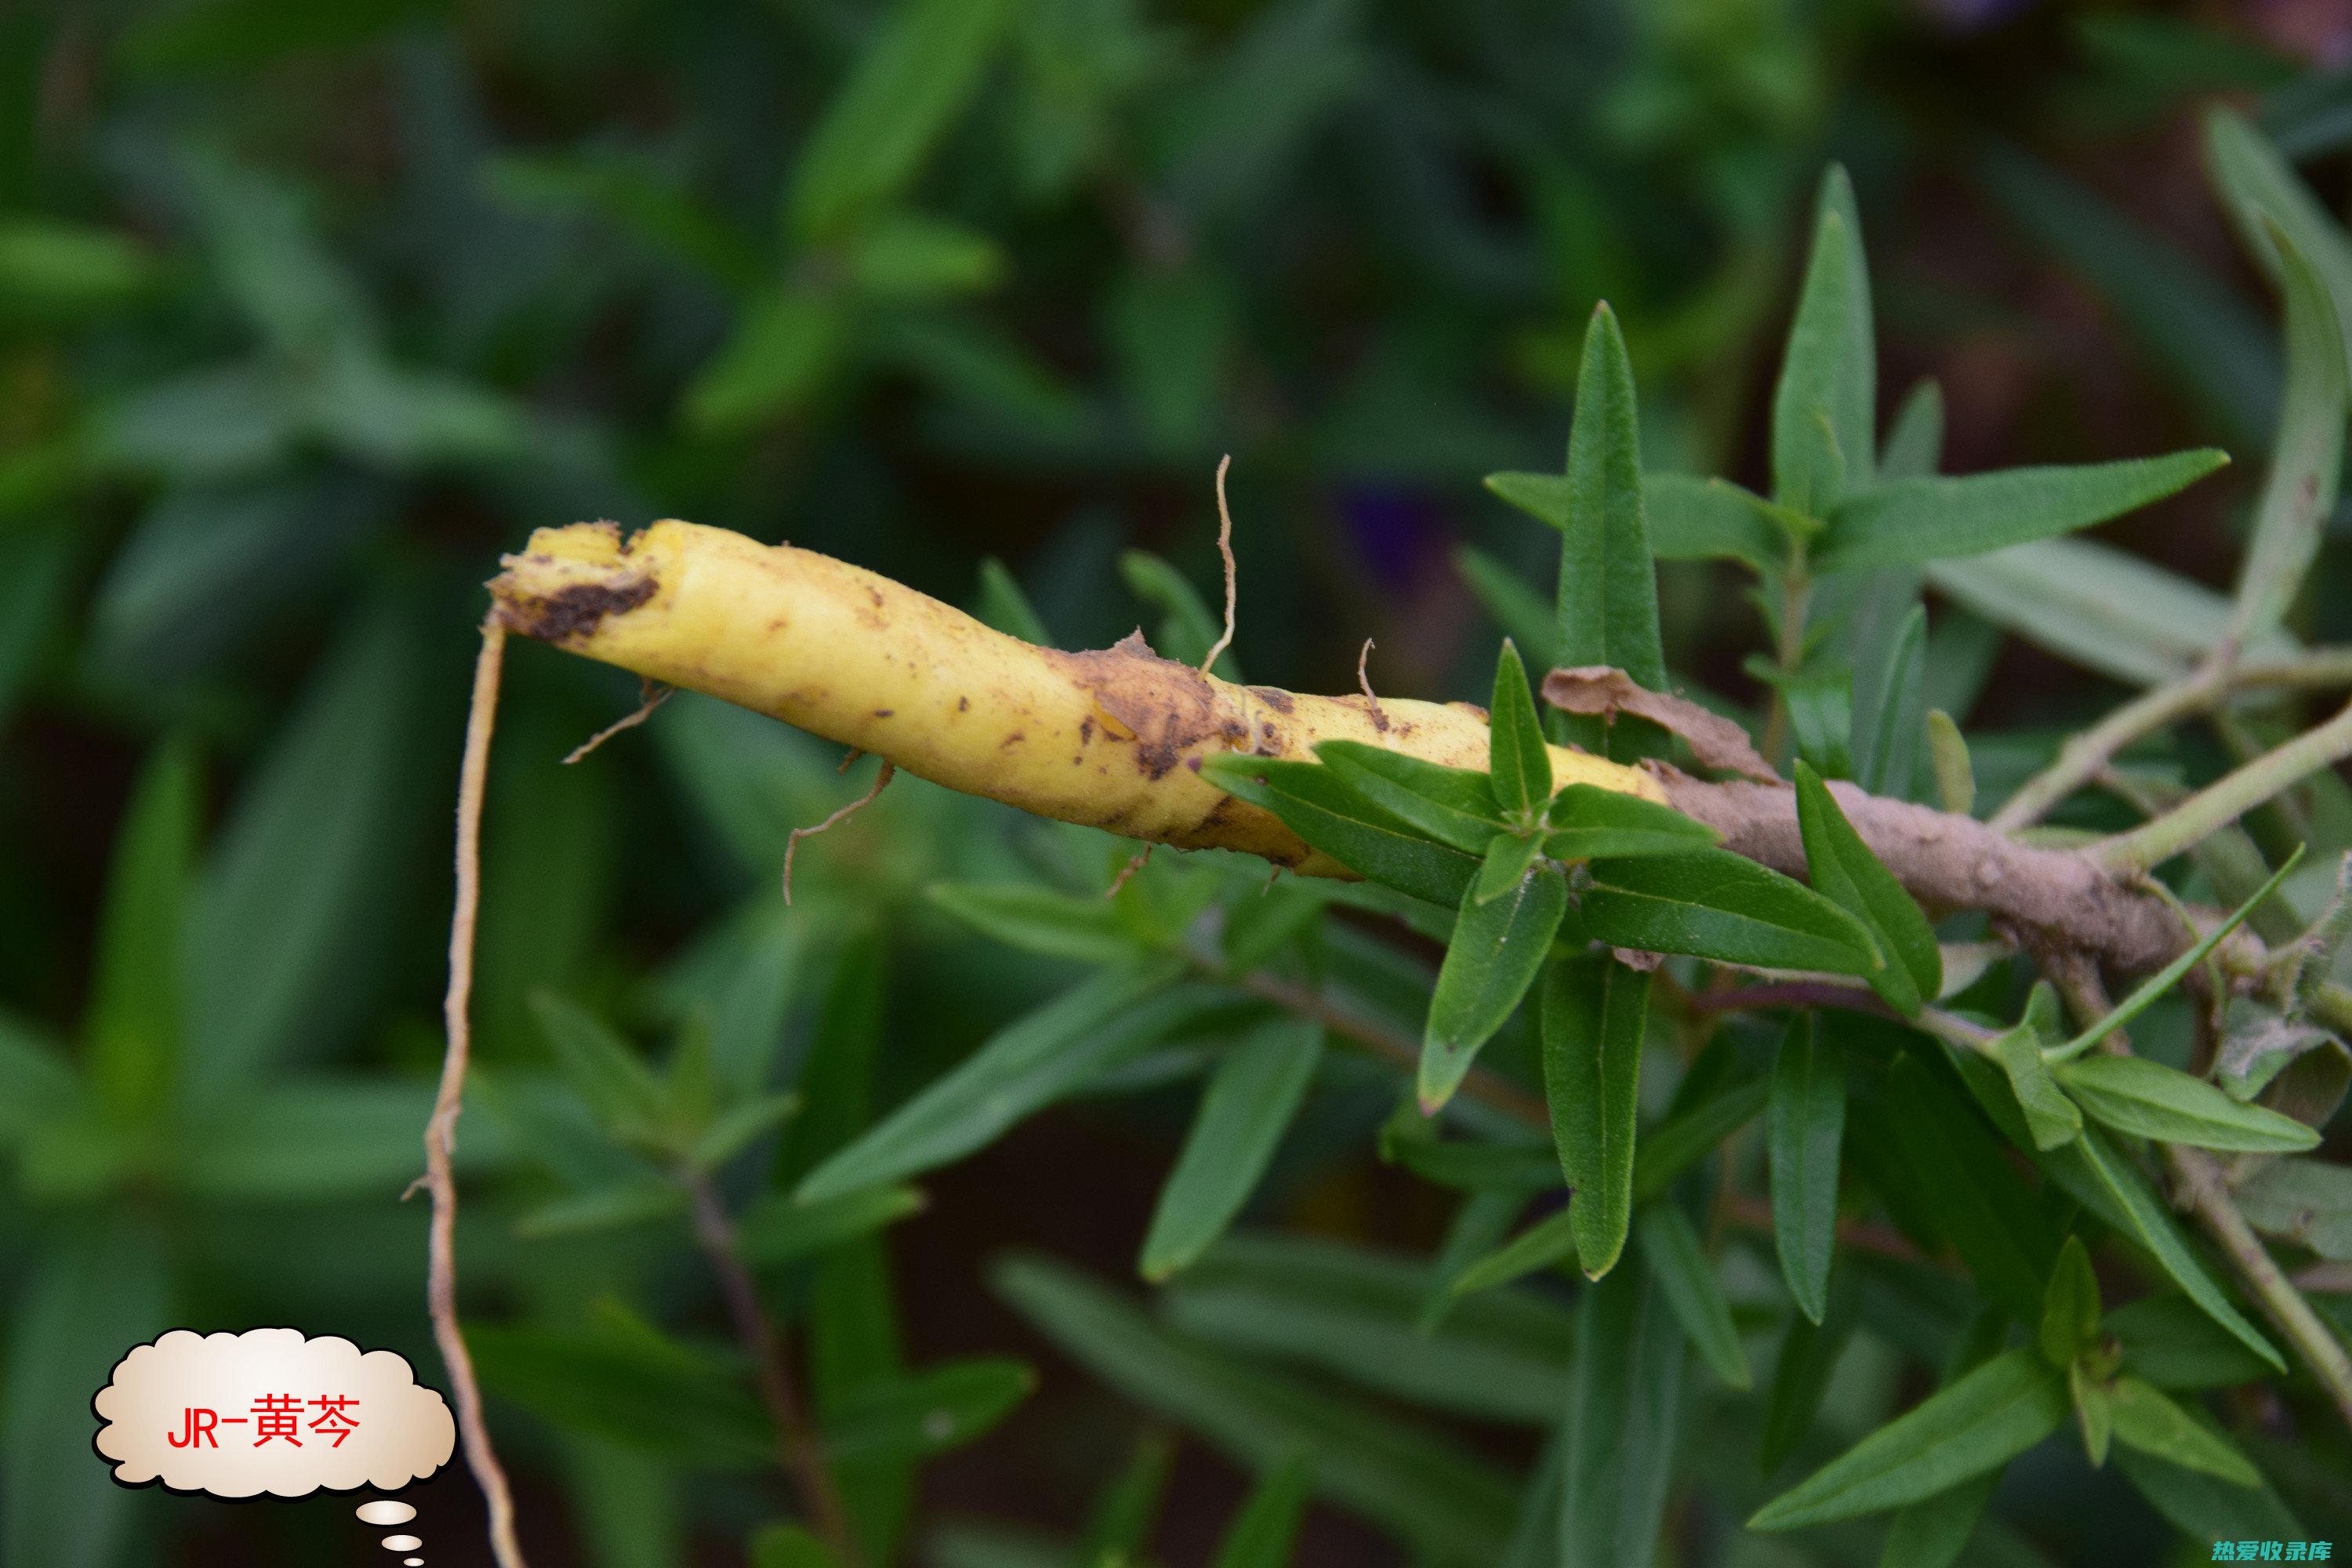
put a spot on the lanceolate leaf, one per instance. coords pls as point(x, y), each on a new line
point(2262, 189)
point(1801, 1372)
point(1825, 444)
point(1694, 519)
point(1804, 1125)
point(1549, 1240)
point(1249, 1102)
point(1886, 731)
point(1315, 804)
point(1718, 905)
point(1497, 949)
point(1453, 806)
point(2148, 1420)
point(1938, 518)
point(1519, 765)
point(2133, 1094)
point(1608, 583)
point(1685, 1277)
point(1620, 1434)
point(1588, 822)
point(2307, 456)
point(1845, 870)
point(1525, 615)
point(1262, 1532)
point(1973, 1195)
point(1023, 1068)
point(2069, 1313)
point(1040, 919)
point(1914, 439)
point(2051, 1117)
point(1978, 1423)
point(2152, 1226)
point(1508, 863)
point(1595, 1011)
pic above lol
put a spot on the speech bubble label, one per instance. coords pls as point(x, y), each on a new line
point(269, 1412)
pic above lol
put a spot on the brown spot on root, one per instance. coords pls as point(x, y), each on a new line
point(1275, 698)
point(884, 712)
point(1009, 740)
point(1085, 730)
point(964, 704)
point(1167, 708)
point(576, 611)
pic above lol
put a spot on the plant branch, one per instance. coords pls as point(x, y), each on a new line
point(2082, 759)
point(2200, 1182)
point(2228, 798)
point(798, 1446)
point(441, 1131)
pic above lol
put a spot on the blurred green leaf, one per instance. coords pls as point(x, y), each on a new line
point(1684, 1276)
point(1187, 630)
point(1972, 1193)
point(2169, 1341)
point(2306, 455)
point(1804, 1125)
point(1518, 609)
point(1914, 447)
point(2308, 1202)
point(1887, 721)
point(940, 1408)
point(789, 342)
point(909, 84)
point(1943, 517)
point(1356, 1313)
point(1595, 1011)
point(789, 1546)
point(913, 256)
point(1266, 1529)
point(1621, 1428)
point(2146, 1420)
point(1549, 1240)
point(1004, 606)
point(131, 1038)
point(1418, 1486)
point(1809, 1353)
point(2069, 1312)
point(777, 1229)
point(53, 271)
point(630, 1386)
point(1693, 519)
point(1021, 1069)
point(1039, 919)
point(1252, 1095)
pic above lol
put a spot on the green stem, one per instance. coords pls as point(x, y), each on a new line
point(2227, 799)
point(2083, 757)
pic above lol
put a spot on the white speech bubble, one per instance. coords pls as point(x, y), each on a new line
point(269, 1411)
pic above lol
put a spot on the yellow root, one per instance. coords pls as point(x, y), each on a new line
point(1112, 737)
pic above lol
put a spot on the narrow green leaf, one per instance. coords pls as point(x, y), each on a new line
point(1886, 731)
point(2135, 1095)
point(1549, 1240)
point(1801, 1371)
point(1354, 1312)
point(1932, 1533)
point(1508, 863)
point(776, 1230)
point(1251, 1098)
point(2094, 1413)
point(1608, 595)
point(1844, 870)
point(1525, 615)
point(1264, 1531)
point(1315, 804)
point(1430, 1491)
point(2264, 190)
point(1588, 822)
point(1936, 519)
point(926, 1412)
point(1825, 406)
point(2069, 1312)
point(1022, 1068)
point(1804, 1125)
point(2148, 1420)
point(2152, 1225)
point(2170, 1341)
point(1040, 919)
point(1685, 1279)
point(617, 1084)
point(1973, 1195)
point(1914, 447)
point(608, 1207)
point(2204, 1507)
point(1595, 1014)
point(1127, 1507)
point(1715, 904)
point(786, 345)
point(1978, 1423)
point(1518, 763)
point(1188, 631)
point(789, 1546)
point(1694, 519)
point(2051, 1117)
point(2307, 1202)
point(909, 84)
point(1620, 1434)
point(1688, 1136)
point(1955, 777)
point(1478, 1225)
point(1498, 950)
point(1453, 806)
point(2307, 454)
point(1006, 608)
point(134, 1016)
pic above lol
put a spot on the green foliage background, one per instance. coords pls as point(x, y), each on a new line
point(308, 311)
